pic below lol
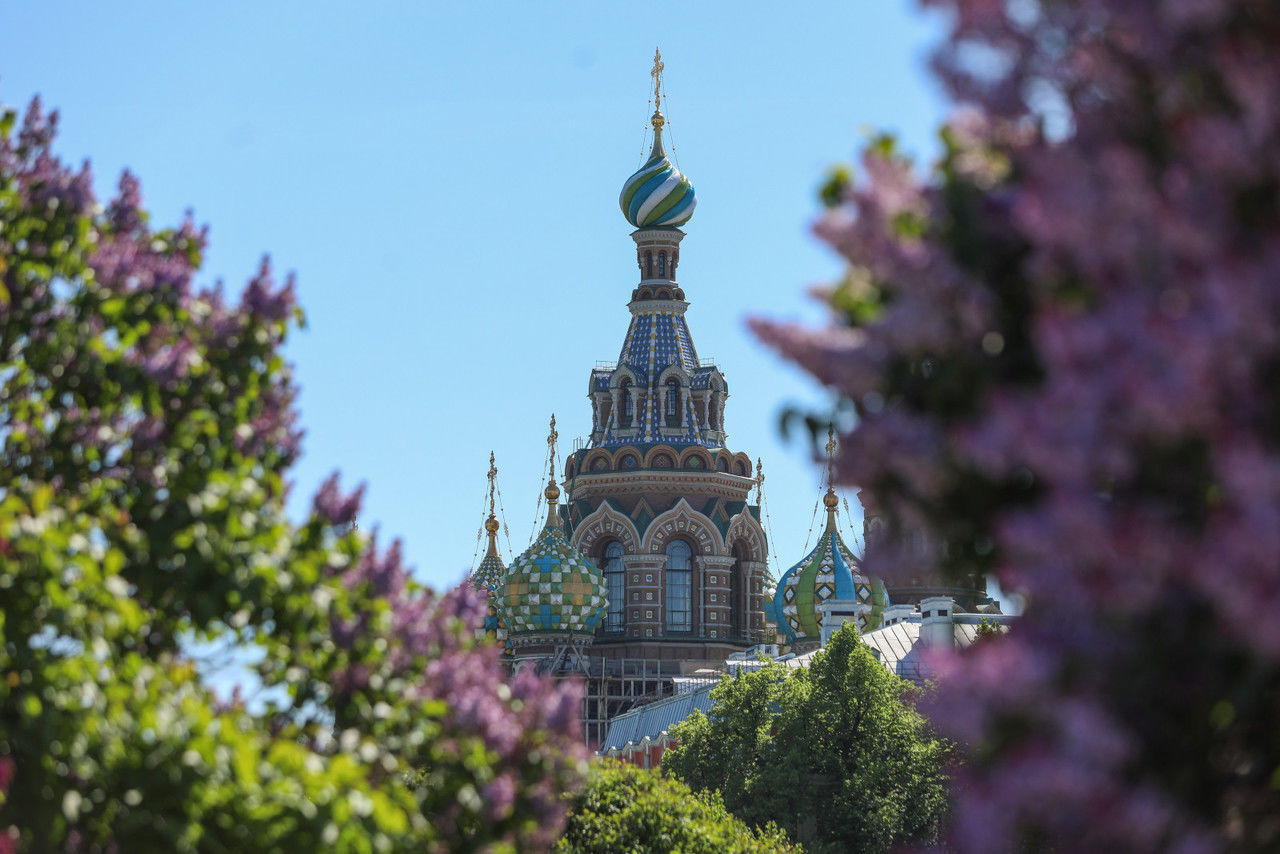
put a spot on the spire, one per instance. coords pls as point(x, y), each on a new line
point(552, 492)
point(830, 500)
point(491, 571)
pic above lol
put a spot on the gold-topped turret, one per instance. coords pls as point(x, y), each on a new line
point(491, 571)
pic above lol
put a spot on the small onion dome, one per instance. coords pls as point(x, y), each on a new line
point(552, 588)
point(491, 571)
point(657, 195)
point(830, 571)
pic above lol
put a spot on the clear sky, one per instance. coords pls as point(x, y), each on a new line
point(444, 177)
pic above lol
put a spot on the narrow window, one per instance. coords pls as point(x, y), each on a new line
point(628, 411)
point(673, 403)
point(662, 265)
point(679, 587)
point(614, 577)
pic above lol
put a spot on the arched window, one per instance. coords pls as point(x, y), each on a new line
point(737, 594)
point(679, 587)
point(672, 407)
point(628, 408)
point(614, 578)
point(648, 265)
point(662, 265)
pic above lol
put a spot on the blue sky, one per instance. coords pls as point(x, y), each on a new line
point(443, 178)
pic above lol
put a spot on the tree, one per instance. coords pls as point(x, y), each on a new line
point(1061, 349)
point(832, 752)
point(629, 809)
point(146, 427)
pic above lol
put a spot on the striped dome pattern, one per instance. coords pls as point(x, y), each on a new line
point(552, 588)
point(830, 571)
point(658, 195)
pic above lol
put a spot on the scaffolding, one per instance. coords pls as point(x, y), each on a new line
point(615, 686)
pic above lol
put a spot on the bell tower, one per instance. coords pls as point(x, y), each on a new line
point(655, 497)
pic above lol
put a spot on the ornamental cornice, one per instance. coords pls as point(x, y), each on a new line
point(705, 483)
point(657, 306)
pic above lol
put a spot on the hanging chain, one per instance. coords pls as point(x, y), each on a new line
point(503, 515)
point(552, 437)
point(812, 520)
point(772, 554)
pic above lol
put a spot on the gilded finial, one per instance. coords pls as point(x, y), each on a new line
point(759, 480)
point(552, 492)
point(493, 480)
point(491, 524)
point(656, 74)
point(830, 500)
point(552, 438)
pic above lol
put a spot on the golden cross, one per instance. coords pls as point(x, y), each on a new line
point(759, 479)
point(831, 455)
point(493, 476)
point(656, 74)
point(551, 444)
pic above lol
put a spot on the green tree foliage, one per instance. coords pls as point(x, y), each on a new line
point(146, 429)
point(628, 809)
point(833, 752)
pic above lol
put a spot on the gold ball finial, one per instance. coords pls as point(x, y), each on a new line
point(830, 501)
point(491, 524)
point(552, 492)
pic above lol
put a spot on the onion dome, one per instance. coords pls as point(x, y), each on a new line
point(657, 196)
point(491, 571)
point(830, 571)
point(552, 588)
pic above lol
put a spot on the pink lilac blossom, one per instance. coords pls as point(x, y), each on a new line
point(1064, 350)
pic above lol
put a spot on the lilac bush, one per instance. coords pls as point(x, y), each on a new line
point(146, 428)
point(1063, 348)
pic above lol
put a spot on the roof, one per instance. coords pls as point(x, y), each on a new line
point(898, 647)
point(656, 718)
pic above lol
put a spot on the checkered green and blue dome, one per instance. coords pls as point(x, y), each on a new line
point(657, 195)
point(490, 572)
point(552, 588)
point(830, 571)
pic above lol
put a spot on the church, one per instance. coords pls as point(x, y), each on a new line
point(653, 571)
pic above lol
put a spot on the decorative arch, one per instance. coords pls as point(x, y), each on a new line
point(742, 465)
point(746, 529)
point(683, 521)
point(620, 456)
point(675, 369)
point(605, 523)
point(722, 463)
point(700, 454)
point(619, 374)
point(651, 459)
point(597, 460)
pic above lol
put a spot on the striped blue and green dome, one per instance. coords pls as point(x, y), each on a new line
point(830, 571)
point(658, 195)
point(552, 588)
